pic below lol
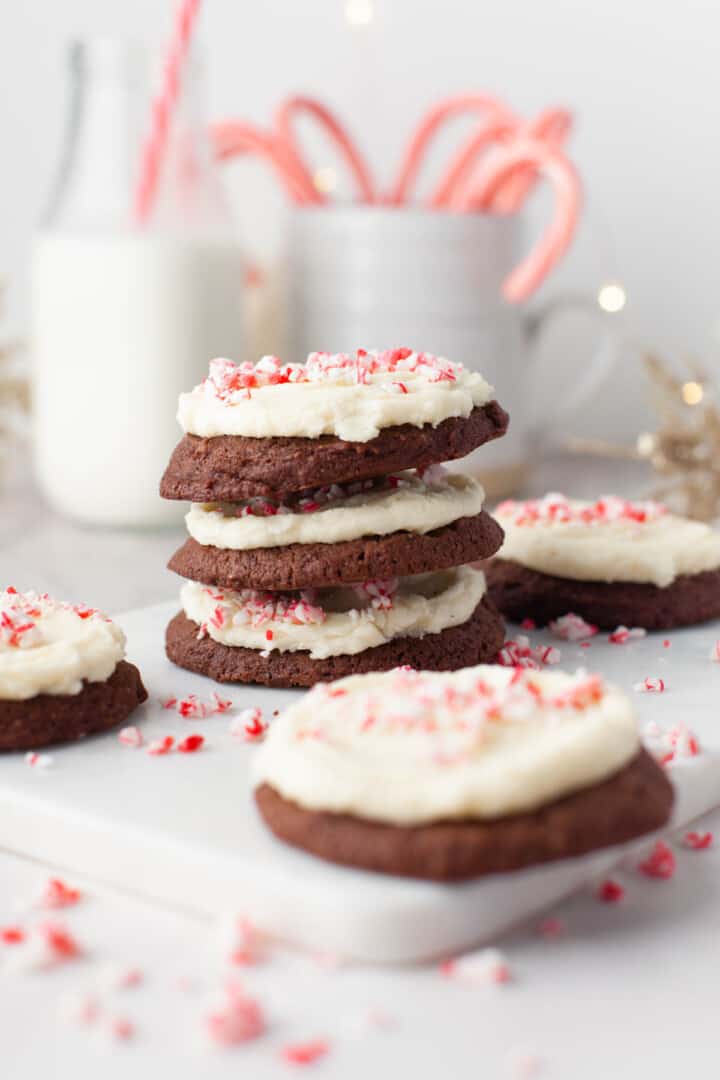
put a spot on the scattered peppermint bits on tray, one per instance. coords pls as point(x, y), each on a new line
point(660, 863)
point(520, 653)
point(671, 745)
point(650, 685)
point(623, 635)
point(572, 627)
point(482, 966)
point(192, 708)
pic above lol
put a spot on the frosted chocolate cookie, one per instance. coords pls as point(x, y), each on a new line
point(613, 561)
point(62, 672)
point(398, 525)
point(485, 771)
point(263, 429)
point(440, 620)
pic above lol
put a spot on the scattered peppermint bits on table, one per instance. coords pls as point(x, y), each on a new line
point(237, 1019)
point(660, 863)
point(38, 761)
point(671, 745)
point(160, 747)
point(698, 841)
point(249, 725)
point(305, 1053)
point(650, 685)
point(131, 736)
point(622, 635)
point(572, 627)
point(520, 653)
point(192, 708)
point(57, 894)
point(610, 892)
point(481, 966)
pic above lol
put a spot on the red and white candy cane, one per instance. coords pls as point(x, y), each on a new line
point(487, 106)
point(552, 127)
point(448, 192)
point(284, 119)
point(232, 137)
point(163, 107)
point(554, 167)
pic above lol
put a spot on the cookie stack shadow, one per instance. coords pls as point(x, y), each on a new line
point(307, 558)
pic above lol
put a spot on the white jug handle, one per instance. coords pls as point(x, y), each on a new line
point(589, 375)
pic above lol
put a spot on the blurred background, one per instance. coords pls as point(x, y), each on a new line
point(631, 269)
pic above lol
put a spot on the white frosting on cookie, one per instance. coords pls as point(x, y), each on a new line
point(336, 622)
point(47, 647)
point(609, 540)
point(411, 504)
point(352, 397)
point(409, 748)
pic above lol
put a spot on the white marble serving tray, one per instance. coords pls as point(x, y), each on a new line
point(182, 829)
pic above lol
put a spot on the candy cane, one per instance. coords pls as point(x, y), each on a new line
point(485, 104)
point(338, 135)
point(556, 168)
point(231, 137)
point(163, 107)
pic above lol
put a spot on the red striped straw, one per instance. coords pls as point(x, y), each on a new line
point(163, 107)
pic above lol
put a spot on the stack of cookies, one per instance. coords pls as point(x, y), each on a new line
point(325, 537)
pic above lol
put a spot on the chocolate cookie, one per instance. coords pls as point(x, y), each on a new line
point(56, 718)
point(522, 593)
point(637, 800)
point(233, 467)
point(303, 566)
point(473, 642)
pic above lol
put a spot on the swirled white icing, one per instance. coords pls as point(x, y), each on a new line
point(336, 622)
point(405, 502)
point(607, 540)
point(48, 647)
point(409, 748)
point(352, 397)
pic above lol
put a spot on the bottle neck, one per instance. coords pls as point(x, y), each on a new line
point(109, 114)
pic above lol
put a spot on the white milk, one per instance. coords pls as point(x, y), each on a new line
point(122, 324)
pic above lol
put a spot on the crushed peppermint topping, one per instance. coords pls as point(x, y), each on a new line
point(22, 614)
point(572, 627)
point(520, 653)
point(380, 594)
point(556, 509)
point(311, 500)
point(255, 608)
point(232, 383)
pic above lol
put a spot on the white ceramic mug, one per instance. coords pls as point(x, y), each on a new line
point(379, 277)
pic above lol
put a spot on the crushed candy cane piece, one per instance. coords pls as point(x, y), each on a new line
point(572, 627)
point(305, 1053)
point(660, 863)
point(242, 942)
point(698, 841)
point(520, 653)
point(12, 935)
point(610, 892)
point(715, 651)
point(237, 1020)
point(122, 1028)
point(552, 927)
point(38, 761)
point(671, 746)
point(56, 894)
point(56, 945)
point(249, 725)
point(650, 685)
point(622, 635)
point(158, 747)
point(131, 736)
point(481, 966)
point(191, 744)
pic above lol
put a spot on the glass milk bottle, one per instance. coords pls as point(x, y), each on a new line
point(126, 315)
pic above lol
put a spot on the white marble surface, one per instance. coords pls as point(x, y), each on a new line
point(629, 990)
